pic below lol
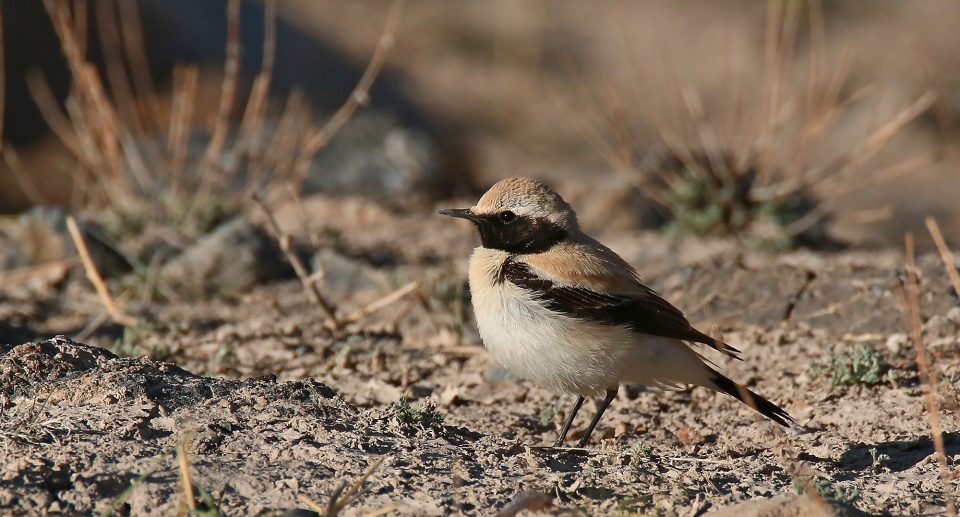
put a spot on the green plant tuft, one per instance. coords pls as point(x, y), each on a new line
point(831, 492)
point(416, 417)
point(878, 458)
point(858, 365)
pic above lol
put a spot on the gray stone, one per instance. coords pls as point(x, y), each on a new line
point(230, 260)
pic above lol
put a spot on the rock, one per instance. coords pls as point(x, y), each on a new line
point(346, 276)
point(231, 260)
point(375, 156)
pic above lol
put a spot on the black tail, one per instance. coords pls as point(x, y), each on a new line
point(758, 403)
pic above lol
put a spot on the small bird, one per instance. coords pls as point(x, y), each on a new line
point(558, 308)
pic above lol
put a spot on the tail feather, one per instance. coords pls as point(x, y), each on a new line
point(717, 345)
point(758, 403)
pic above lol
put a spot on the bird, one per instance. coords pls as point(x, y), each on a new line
point(556, 307)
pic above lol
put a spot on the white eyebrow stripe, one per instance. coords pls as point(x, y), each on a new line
point(523, 209)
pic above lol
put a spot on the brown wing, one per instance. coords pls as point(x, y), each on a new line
point(643, 311)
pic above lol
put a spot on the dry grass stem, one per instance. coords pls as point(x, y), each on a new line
point(185, 476)
point(382, 302)
point(229, 85)
point(360, 95)
point(3, 79)
point(46, 102)
point(114, 65)
point(185, 78)
point(309, 284)
point(20, 174)
point(928, 375)
point(94, 276)
point(311, 504)
point(132, 33)
point(305, 221)
point(949, 261)
point(337, 504)
point(252, 123)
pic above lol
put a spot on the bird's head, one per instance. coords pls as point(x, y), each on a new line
point(520, 215)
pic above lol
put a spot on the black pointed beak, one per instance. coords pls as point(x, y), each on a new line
point(462, 213)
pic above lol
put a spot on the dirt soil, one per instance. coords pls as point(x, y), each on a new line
point(270, 406)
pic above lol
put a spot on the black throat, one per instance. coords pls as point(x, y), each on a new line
point(523, 235)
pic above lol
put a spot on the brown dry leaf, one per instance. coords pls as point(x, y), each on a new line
point(35, 280)
point(450, 396)
point(690, 436)
point(620, 430)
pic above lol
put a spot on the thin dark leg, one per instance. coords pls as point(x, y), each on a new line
point(569, 422)
point(611, 394)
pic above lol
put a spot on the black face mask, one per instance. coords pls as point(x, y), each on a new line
point(513, 233)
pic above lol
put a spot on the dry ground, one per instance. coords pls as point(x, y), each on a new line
point(83, 429)
point(242, 384)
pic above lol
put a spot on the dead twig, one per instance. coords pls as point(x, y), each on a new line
point(949, 261)
point(185, 78)
point(3, 80)
point(382, 302)
point(229, 86)
point(94, 275)
point(305, 220)
point(335, 505)
point(311, 504)
point(23, 178)
point(309, 283)
point(46, 102)
point(343, 496)
point(185, 477)
point(360, 95)
point(928, 375)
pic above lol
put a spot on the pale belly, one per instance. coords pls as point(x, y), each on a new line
point(567, 355)
point(557, 352)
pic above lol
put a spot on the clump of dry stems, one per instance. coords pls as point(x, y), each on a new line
point(143, 157)
point(757, 175)
point(137, 157)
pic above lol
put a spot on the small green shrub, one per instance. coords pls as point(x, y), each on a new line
point(828, 490)
point(878, 458)
point(858, 365)
point(832, 492)
point(416, 417)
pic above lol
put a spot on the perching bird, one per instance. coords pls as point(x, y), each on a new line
point(558, 308)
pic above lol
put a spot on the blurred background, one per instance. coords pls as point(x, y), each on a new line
point(803, 123)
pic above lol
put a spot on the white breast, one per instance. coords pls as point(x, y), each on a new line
point(553, 350)
point(564, 354)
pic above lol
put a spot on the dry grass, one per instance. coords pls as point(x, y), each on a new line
point(949, 261)
point(928, 375)
point(310, 282)
point(360, 96)
point(123, 167)
point(103, 292)
point(186, 478)
point(343, 496)
point(759, 172)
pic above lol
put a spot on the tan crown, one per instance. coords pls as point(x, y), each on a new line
point(527, 197)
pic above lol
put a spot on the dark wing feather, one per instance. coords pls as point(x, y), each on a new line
point(646, 313)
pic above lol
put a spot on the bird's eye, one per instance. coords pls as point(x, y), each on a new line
point(507, 217)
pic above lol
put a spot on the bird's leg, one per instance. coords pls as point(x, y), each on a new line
point(569, 422)
point(611, 394)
